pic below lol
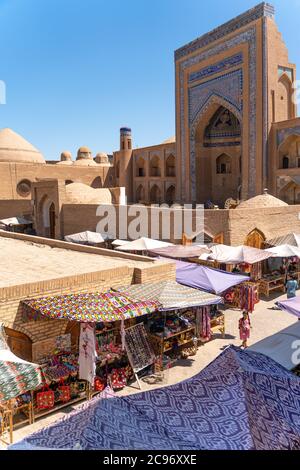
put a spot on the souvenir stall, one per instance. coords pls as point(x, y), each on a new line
point(284, 262)
point(240, 259)
point(183, 319)
point(17, 379)
point(99, 359)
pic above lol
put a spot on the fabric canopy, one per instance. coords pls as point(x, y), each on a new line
point(241, 401)
point(86, 238)
point(180, 251)
point(291, 306)
point(237, 254)
point(89, 307)
point(119, 242)
point(284, 251)
point(16, 375)
point(288, 239)
point(143, 244)
point(209, 279)
point(279, 346)
point(171, 295)
point(15, 221)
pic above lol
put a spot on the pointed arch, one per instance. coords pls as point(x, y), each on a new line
point(170, 194)
point(255, 239)
point(155, 166)
point(155, 194)
point(140, 193)
point(170, 169)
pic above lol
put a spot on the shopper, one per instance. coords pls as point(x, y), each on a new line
point(291, 287)
point(244, 327)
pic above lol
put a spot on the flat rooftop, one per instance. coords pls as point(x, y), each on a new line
point(25, 262)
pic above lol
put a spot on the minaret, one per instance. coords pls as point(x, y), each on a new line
point(125, 159)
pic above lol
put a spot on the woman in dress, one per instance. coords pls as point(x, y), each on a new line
point(244, 327)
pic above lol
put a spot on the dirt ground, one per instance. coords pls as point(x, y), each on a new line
point(265, 322)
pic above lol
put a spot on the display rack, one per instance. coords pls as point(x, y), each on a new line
point(271, 283)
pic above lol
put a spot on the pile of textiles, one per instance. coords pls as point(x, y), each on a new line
point(244, 296)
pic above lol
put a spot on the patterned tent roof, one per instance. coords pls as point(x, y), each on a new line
point(89, 307)
point(16, 375)
point(241, 401)
point(171, 295)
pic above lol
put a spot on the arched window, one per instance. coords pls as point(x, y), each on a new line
point(155, 194)
point(140, 194)
point(140, 167)
point(68, 182)
point(170, 194)
point(223, 164)
point(154, 166)
point(255, 239)
point(285, 162)
point(170, 166)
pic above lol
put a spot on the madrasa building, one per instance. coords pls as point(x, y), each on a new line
point(237, 133)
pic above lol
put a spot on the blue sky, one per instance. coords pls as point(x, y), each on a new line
point(76, 71)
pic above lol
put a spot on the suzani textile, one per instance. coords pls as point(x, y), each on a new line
point(242, 400)
point(88, 307)
point(16, 375)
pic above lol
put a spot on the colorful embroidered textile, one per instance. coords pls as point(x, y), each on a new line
point(87, 352)
point(241, 401)
point(203, 320)
point(171, 295)
point(16, 375)
point(88, 307)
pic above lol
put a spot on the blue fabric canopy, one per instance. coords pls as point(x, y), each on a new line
point(241, 401)
point(209, 279)
point(291, 306)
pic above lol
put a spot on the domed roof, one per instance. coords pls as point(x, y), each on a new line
point(101, 157)
point(84, 150)
point(79, 193)
point(65, 158)
point(261, 201)
point(14, 148)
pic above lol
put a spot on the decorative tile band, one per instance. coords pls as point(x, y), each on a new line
point(216, 68)
point(228, 86)
point(222, 144)
point(260, 11)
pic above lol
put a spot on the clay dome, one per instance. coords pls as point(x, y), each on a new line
point(79, 193)
point(261, 201)
point(14, 148)
point(65, 155)
point(84, 157)
point(65, 158)
point(101, 157)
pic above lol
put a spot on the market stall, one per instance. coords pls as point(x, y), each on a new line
point(17, 379)
point(16, 224)
point(99, 358)
point(242, 259)
point(185, 316)
point(284, 262)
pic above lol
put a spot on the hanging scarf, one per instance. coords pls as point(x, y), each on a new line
point(87, 352)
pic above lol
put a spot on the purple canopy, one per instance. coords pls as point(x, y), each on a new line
point(291, 306)
point(209, 279)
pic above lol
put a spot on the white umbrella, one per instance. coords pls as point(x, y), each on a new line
point(284, 251)
point(86, 238)
point(143, 244)
point(237, 254)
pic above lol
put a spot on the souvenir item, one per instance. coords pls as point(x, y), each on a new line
point(64, 392)
point(45, 398)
